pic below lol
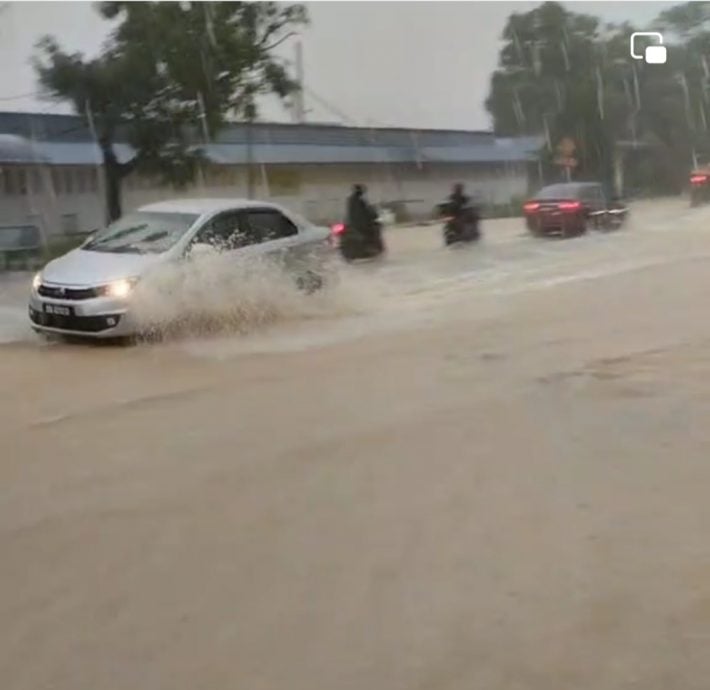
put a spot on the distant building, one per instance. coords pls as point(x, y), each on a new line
point(50, 169)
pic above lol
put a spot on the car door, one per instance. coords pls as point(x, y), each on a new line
point(227, 231)
point(599, 198)
point(594, 201)
point(280, 236)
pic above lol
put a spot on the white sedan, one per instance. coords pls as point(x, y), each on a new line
point(87, 292)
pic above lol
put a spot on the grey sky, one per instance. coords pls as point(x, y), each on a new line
point(419, 64)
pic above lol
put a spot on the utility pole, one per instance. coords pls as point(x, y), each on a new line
point(250, 156)
point(299, 110)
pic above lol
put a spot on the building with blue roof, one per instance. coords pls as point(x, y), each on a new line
point(51, 168)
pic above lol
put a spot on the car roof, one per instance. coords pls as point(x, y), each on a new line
point(566, 188)
point(204, 206)
point(578, 185)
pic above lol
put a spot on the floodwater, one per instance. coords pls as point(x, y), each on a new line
point(483, 468)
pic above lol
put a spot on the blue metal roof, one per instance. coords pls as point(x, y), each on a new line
point(65, 140)
point(16, 149)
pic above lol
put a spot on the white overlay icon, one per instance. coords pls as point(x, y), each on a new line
point(654, 54)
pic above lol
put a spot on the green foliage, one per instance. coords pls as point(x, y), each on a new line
point(685, 20)
point(563, 74)
point(169, 76)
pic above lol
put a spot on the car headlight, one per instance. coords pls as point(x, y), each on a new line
point(36, 281)
point(119, 288)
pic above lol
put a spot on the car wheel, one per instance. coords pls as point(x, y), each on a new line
point(576, 230)
point(309, 282)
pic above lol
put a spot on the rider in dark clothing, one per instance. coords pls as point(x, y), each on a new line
point(361, 216)
point(458, 201)
point(462, 208)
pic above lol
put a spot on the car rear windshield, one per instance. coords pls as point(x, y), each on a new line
point(142, 232)
point(559, 191)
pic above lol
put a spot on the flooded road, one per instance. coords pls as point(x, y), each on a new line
point(483, 468)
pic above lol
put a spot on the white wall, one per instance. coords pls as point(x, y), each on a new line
point(71, 198)
point(60, 199)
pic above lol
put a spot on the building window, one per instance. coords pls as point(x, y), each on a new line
point(68, 180)
point(70, 223)
point(283, 182)
point(21, 182)
point(36, 180)
point(93, 180)
point(5, 180)
point(80, 180)
point(57, 181)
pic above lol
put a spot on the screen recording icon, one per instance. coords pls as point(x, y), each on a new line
point(654, 54)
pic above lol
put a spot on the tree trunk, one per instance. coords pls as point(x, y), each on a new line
point(618, 172)
point(113, 174)
point(250, 161)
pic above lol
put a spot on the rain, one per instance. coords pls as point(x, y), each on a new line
point(354, 346)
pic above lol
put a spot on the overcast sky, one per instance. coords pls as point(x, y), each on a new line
point(418, 64)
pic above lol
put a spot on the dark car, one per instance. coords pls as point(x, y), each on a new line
point(569, 209)
point(699, 186)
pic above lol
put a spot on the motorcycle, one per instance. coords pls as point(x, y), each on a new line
point(354, 245)
point(463, 228)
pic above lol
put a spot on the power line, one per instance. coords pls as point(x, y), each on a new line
point(329, 106)
point(35, 94)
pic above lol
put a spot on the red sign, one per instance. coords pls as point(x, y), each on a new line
point(566, 147)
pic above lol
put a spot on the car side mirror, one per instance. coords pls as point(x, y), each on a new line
point(89, 236)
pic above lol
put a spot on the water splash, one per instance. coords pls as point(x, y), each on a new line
point(221, 293)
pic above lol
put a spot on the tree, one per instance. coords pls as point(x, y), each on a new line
point(547, 83)
point(564, 74)
point(685, 20)
point(168, 78)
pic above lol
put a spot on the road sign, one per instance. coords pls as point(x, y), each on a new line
point(566, 148)
point(566, 161)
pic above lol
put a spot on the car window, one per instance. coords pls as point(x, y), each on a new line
point(558, 191)
point(142, 232)
point(270, 224)
point(596, 195)
point(588, 194)
point(228, 230)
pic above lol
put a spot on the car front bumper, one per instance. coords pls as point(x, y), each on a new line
point(99, 317)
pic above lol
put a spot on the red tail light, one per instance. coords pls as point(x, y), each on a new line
point(531, 206)
point(698, 179)
point(569, 205)
point(338, 229)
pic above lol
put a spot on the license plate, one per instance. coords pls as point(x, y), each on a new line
point(57, 309)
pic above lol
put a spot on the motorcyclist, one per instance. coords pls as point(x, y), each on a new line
point(361, 216)
point(462, 209)
point(458, 201)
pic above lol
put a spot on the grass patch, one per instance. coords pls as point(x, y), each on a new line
point(61, 245)
point(511, 209)
point(35, 259)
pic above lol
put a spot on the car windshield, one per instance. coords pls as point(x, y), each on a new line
point(558, 191)
point(142, 232)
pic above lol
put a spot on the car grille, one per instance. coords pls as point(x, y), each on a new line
point(68, 293)
point(84, 324)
